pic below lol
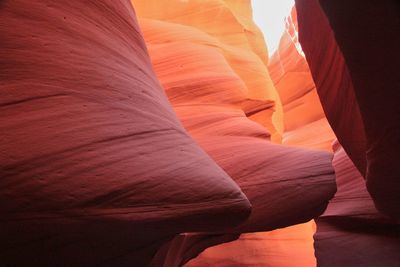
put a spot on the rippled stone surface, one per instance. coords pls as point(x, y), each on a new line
point(95, 166)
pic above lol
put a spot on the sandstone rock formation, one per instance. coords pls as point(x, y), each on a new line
point(305, 123)
point(351, 226)
point(287, 247)
point(95, 166)
point(363, 78)
point(219, 86)
point(128, 146)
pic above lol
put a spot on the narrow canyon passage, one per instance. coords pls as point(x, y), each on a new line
point(175, 133)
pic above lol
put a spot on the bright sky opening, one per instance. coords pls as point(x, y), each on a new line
point(269, 15)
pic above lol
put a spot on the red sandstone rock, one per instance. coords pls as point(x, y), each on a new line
point(363, 78)
point(90, 166)
point(210, 80)
point(351, 227)
point(95, 166)
point(208, 98)
point(370, 47)
point(332, 80)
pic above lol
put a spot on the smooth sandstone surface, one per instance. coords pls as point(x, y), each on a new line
point(369, 48)
point(332, 80)
point(208, 96)
point(305, 123)
point(96, 169)
point(351, 226)
point(209, 73)
point(233, 35)
point(359, 40)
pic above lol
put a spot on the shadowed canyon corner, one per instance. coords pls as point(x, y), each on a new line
point(166, 133)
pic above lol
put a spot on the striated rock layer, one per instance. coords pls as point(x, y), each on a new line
point(363, 78)
point(352, 226)
point(228, 52)
point(218, 83)
point(95, 166)
point(305, 123)
point(369, 50)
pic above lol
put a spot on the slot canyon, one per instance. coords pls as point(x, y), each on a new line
point(166, 133)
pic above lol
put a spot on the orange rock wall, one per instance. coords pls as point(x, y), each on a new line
point(304, 119)
point(287, 247)
point(216, 77)
point(305, 125)
point(119, 150)
point(241, 49)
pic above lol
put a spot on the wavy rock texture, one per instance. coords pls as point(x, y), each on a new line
point(305, 123)
point(368, 125)
point(306, 126)
point(352, 226)
point(95, 167)
point(208, 97)
point(239, 50)
point(333, 81)
point(376, 83)
point(220, 88)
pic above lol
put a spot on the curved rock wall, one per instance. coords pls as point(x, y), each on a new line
point(305, 123)
point(352, 226)
point(369, 49)
point(108, 157)
point(363, 77)
point(238, 44)
point(95, 166)
point(220, 88)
